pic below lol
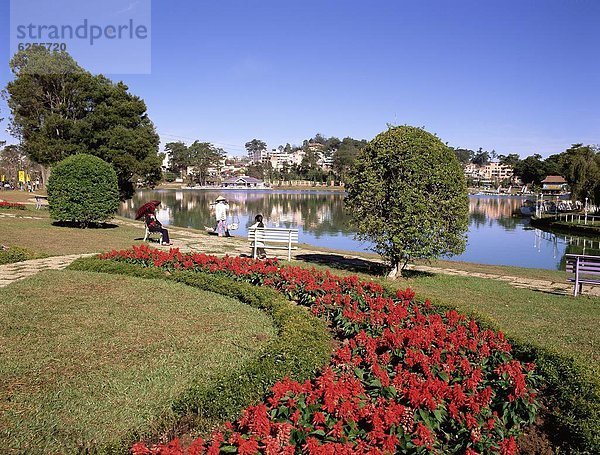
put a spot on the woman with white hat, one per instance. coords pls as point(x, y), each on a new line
point(221, 207)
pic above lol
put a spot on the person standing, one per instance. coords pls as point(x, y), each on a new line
point(221, 209)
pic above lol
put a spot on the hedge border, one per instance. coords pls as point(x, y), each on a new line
point(15, 254)
point(303, 345)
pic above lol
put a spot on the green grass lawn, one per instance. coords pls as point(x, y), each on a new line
point(86, 359)
point(41, 236)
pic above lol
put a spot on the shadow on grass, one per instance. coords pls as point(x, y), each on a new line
point(356, 265)
point(78, 225)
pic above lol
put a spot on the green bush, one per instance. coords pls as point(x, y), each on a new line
point(83, 189)
point(303, 344)
point(16, 254)
point(169, 176)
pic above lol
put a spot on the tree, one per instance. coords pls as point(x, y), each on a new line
point(179, 157)
point(255, 149)
point(581, 168)
point(464, 155)
point(531, 170)
point(59, 109)
point(512, 159)
point(256, 170)
point(12, 160)
point(203, 156)
point(345, 155)
point(481, 158)
point(83, 189)
point(407, 194)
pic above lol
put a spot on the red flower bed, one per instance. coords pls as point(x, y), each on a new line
point(404, 379)
point(11, 205)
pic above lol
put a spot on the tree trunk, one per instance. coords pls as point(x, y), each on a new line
point(45, 175)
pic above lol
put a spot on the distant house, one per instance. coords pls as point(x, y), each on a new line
point(554, 185)
point(243, 182)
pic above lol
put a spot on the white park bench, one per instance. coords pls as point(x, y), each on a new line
point(273, 239)
point(585, 270)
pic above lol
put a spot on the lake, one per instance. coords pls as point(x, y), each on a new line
point(495, 236)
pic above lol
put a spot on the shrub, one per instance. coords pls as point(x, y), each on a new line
point(403, 379)
point(16, 254)
point(83, 189)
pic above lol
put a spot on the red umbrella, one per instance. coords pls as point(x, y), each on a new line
point(148, 207)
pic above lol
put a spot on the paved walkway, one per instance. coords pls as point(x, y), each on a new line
point(10, 273)
point(190, 241)
point(553, 287)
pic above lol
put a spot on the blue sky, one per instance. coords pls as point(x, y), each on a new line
point(514, 76)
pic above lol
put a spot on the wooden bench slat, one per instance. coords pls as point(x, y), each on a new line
point(585, 268)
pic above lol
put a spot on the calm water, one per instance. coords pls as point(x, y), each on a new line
point(495, 236)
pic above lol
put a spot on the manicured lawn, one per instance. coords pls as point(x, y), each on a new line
point(41, 236)
point(87, 358)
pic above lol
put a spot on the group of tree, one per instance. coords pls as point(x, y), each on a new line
point(200, 156)
point(60, 109)
point(340, 153)
point(579, 165)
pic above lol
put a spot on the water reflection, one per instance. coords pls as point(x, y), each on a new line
point(495, 236)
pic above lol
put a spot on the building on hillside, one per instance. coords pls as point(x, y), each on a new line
point(498, 172)
point(554, 185)
point(491, 174)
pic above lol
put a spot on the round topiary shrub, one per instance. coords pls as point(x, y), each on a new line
point(83, 189)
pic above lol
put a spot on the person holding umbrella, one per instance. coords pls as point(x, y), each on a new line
point(148, 212)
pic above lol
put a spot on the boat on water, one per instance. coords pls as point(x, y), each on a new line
point(528, 208)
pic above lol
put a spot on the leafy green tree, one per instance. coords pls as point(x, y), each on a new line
point(512, 159)
point(481, 158)
point(407, 194)
point(581, 168)
point(531, 169)
point(464, 155)
point(59, 109)
point(255, 148)
point(345, 155)
point(203, 156)
point(256, 170)
point(83, 189)
point(179, 157)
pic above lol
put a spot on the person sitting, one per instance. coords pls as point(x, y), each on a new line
point(260, 250)
point(155, 226)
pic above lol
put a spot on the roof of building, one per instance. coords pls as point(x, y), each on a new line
point(554, 179)
point(242, 178)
